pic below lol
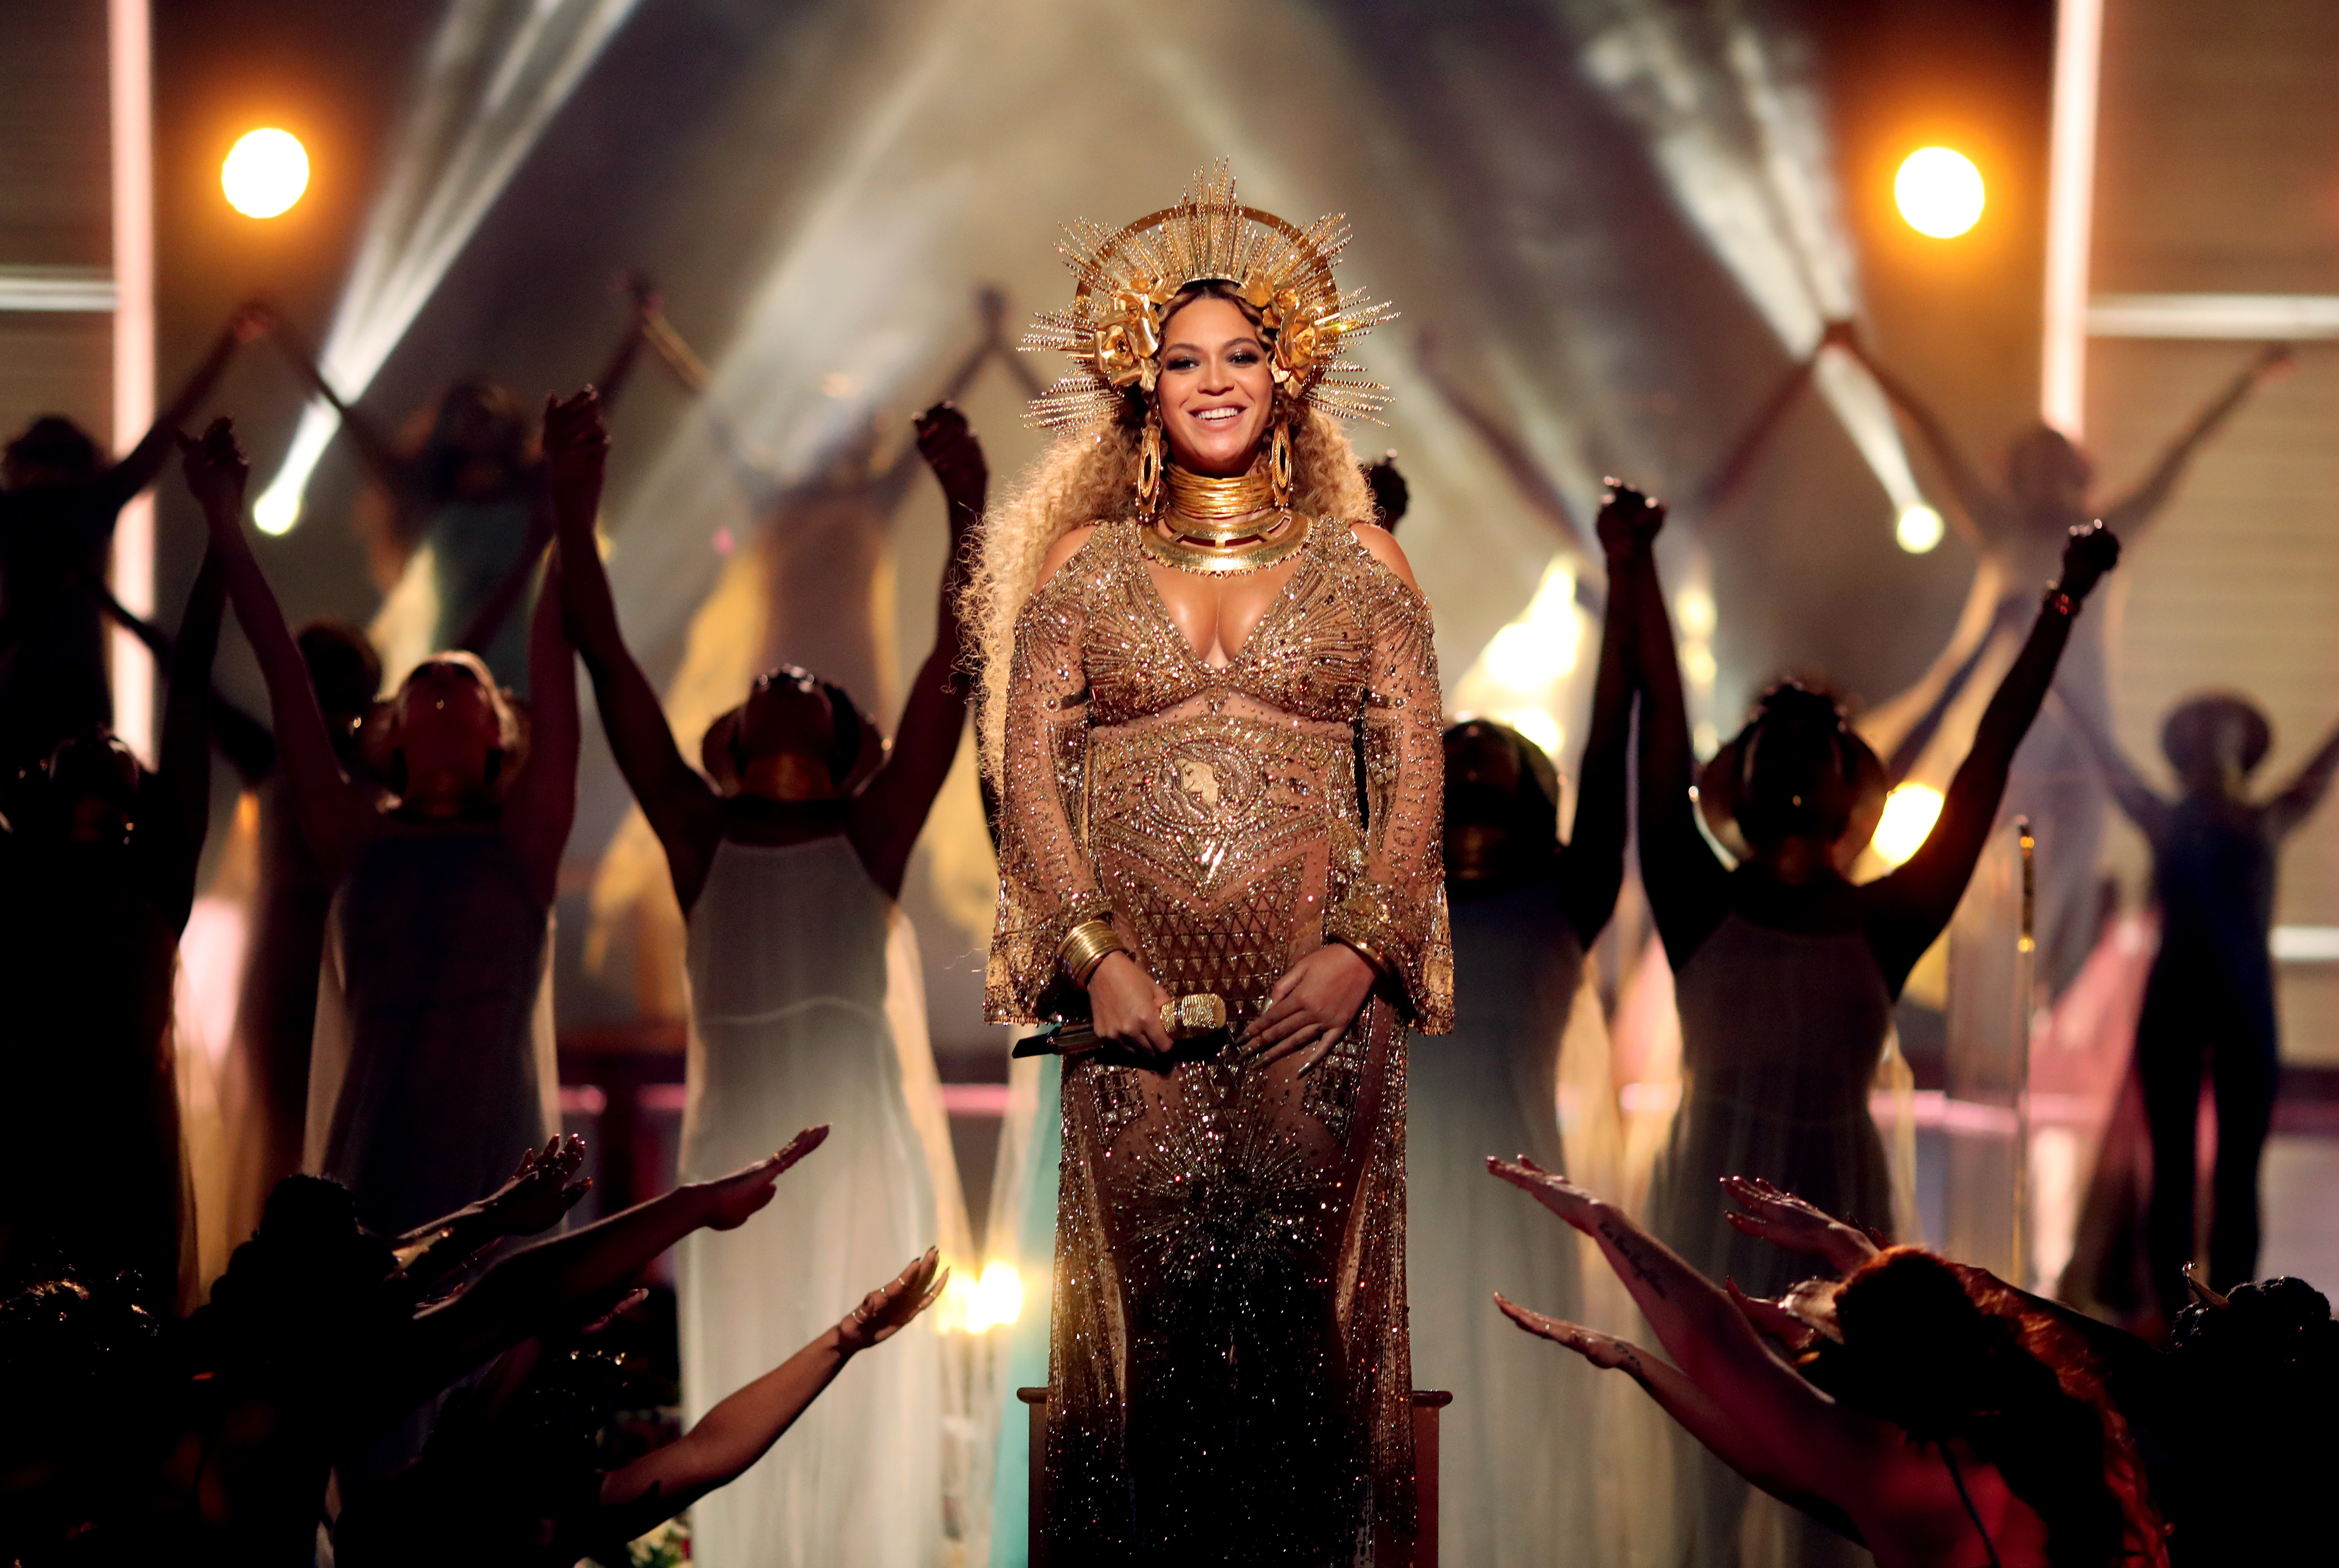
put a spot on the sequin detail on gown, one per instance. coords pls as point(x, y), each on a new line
point(1231, 1375)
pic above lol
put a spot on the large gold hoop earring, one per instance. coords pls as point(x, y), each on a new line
point(1150, 457)
point(1278, 465)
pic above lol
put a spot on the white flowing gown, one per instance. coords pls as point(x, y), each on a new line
point(789, 1026)
point(1517, 1453)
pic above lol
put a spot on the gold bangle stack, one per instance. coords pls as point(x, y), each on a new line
point(1087, 945)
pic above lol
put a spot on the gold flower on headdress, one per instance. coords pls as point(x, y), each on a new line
point(1127, 276)
point(1125, 342)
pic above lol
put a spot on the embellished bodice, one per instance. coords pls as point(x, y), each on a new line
point(1228, 816)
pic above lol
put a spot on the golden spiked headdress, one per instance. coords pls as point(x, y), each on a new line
point(1127, 276)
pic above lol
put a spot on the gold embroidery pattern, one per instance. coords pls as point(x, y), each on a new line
point(1228, 1357)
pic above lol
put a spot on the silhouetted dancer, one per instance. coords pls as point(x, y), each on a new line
point(99, 879)
point(57, 515)
point(2211, 991)
point(470, 490)
point(2016, 530)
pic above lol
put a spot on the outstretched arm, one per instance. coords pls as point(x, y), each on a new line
point(186, 726)
point(514, 1297)
point(337, 816)
point(681, 807)
point(1592, 866)
point(1728, 478)
point(2297, 801)
point(540, 1191)
point(1699, 1414)
point(2127, 516)
point(242, 739)
point(2142, 804)
point(374, 448)
point(138, 469)
point(1814, 1446)
point(889, 815)
point(618, 368)
point(1979, 515)
point(742, 1428)
point(1907, 909)
point(542, 802)
point(1689, 890)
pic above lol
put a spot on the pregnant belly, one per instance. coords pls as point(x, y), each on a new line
point(1220, 841)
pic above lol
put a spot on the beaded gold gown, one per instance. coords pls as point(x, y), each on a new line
point(1230, 1377)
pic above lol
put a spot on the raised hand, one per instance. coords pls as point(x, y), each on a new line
point(732, 1200)
point(949, 446)
point(886, 1310)
point(1786, 1220)
point(1629, 520)
point(1773, 1320)
point(216, 471)
point(1603, 1350)
point(1572, 1203)
point(575, 454)
point(254, 319)
point(541, 1191)
point(1312, 1005)
point(2090, 553)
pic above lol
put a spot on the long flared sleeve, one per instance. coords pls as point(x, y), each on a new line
point(1395, 914)
point(1047, 884)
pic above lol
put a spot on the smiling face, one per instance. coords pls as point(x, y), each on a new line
point(1216, 392)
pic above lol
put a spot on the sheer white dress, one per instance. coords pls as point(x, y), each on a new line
point(1515, 1453)
point(803, 1009)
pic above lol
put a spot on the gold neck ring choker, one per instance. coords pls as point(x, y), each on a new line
point(1197, 499)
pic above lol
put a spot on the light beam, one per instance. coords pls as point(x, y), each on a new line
point(498, 72)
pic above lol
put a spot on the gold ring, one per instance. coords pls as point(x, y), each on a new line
point(1184, 1017)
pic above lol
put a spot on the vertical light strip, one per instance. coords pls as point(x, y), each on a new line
point(130, 94)
point(2071, 215)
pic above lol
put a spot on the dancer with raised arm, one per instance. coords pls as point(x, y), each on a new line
point(473, 493)
point(2211, 991)
point(2016, 531)
point(57, 513)
point(1784, 972)
point(96, 880)
point(787, 866)
point(1526, 906)
point(433, 1064)
point(1946, 1424)
point(1210, 708)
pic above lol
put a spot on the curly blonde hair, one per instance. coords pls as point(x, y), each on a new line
point(1084, 478)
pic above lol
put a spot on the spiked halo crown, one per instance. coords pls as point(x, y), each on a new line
point(1127, 276)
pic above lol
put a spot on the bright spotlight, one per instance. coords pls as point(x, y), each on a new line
point(1940, 192)
point(1910, 813)
point(277, 510)
point(1918, 530)
point(265, 173)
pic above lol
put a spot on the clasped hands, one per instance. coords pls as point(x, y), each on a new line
point(1310, 1007)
